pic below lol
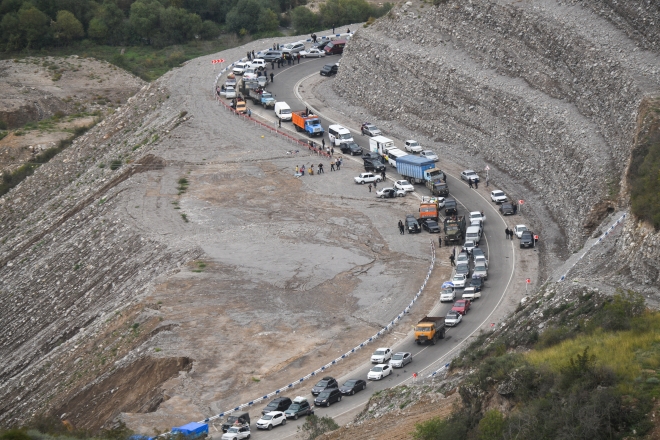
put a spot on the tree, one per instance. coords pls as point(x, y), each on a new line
point(9, 29)
point(33, 24)
point(209, 30)
point(242, 16)
point(178, 26)
point(491, 426)
point(67, 27)
point(144, 17)
point(97, 29)
point(268, 21)
point(315, 426)
point(304, 20)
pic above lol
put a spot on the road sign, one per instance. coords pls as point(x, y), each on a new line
point(521, 202)
point(487, 168)
point(217, 61)
point(528, 281)
point(414, 375)
point(536, 238)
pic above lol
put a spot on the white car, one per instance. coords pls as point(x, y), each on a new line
point(498, 196)
point(239, 68)
point(459, 280)
point(237, 433)
point(379, 371)
point(469, 245)
point(476, 215)
point(404, 185)
point(413, 146)
point(390, 193)
point(519, 229)
point(258, 63)
point(314, 52)
point(463, 257)
point(381, 355)
point(471, 293)
point(230, 93)
point(367, 178)
point(293, 48)
point(480, 269)
point(447, 294)
point(250, 73)
point(270, 420)
point(399, 360)
point(480, 260)
point(453, 318)
point(468, 175)
point(430, 155)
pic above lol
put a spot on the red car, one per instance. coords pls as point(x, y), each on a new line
point(462, 306)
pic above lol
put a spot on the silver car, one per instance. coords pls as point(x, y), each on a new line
point(480, 269)
point(399, 360)
point(430, 155)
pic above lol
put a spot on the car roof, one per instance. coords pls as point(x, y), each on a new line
point(468, 171)
point(383, 348)
point(402, 352)
point(273, 413)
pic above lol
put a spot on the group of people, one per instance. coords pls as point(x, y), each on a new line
point(509, 233)
point(473, 183)
point(335, 165)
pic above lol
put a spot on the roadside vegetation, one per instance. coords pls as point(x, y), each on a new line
point(644, 171)
point(52, 428)
point(336, 13)
point(595, 378)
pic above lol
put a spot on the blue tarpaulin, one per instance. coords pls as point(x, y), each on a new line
point(192, 429)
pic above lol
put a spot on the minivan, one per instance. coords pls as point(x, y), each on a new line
point(283, 111)
point(473, 233)
point(335, 47)
point(339, 134)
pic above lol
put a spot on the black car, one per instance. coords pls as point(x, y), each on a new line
point(279, 404)
point(272, 55)
point(412, 225)
point(431, 226)
point(328, 397)
point(240, 418)
point(477, 282)
point(477, 252)
point(451, 207)
point(373, 165)
point(324, 384)
point(527, 239)
point(350, 148)
point(329, 69)
point(352, 386)
point(508, 208)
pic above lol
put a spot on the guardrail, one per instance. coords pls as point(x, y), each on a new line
point(385, 329)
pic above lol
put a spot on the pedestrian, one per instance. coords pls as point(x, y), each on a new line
point(339, 161)
point(252, 54)
point(278, 63)
point(272, 65)
point(511, 233)
point(375, 184)
point(476, 184)
point(333, 28)
point(323, 143)
point(279, 123)
point(249, 56)
point(487, 182)
point(310, 170)
point(321, 168)
point(271, 76)
point(348, 30)
point(249, 112)
point(470, 183)
point(332, 151)
point(297, 169)
point(506, 231)
point(302, 170)
point(332, 165)
point(439, 241)
point(382, 174)
point(278, 46)
point(451, 260)
point(298, 57)
point(370, 187)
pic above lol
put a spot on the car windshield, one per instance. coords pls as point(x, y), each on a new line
point(285, 111)
point(379, 352)
point(459, 304)
point(521, 228)
point(324, 395)
point(345, 136)
point(397, 357)
point(294, 406)
point(480, 267)
point(267, 417)
point(413, 144)
point(404, 182)
point(377, 369)
point(431, 224)
point(322, 383)
point(458, 277)
point(452, 315)
point(429, 153)
point(273, 404)
point(233, 430)
point(349, 383)
point(498, 193)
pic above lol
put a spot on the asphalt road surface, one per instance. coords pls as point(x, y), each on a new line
point(426, 359)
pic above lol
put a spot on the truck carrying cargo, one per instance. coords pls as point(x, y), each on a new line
point(454, 229)
point(261, 96)
point(307, 122)
point(417, 169)
point(430, 329)
point(438, 186)
point(192, 429)
point(380, 144)
point(394, 154)
point(429, 208)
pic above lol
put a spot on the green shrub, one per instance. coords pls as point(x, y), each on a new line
point(115, 164)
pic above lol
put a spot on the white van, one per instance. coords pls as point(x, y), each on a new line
point(473, 233)
point(283, 111)
point(393, 154)
point(258, 63)
point(339, 134)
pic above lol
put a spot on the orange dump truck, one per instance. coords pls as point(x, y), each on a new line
point(307, 122)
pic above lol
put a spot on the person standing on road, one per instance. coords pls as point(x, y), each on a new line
point(323, 143)
point(302, 170)
point(470, 183)
point(298, 57)
point(279, 123)
point(507, 232)
point(332, 165)
point(271, 77)
point(375, 184)
point(370, 187)
point(332, 151)
point(382, 174)
point(439, 241)
point(451, 259)
point(321, 169)
point(400, 227)
point(486, 182)
point(476, 184)
point(253, 55)
point(339, 161)
point(511, 234)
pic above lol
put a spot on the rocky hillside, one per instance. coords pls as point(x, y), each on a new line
point(547, 93)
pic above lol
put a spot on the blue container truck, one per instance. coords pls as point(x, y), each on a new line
point(417, 169)
point(192, 429)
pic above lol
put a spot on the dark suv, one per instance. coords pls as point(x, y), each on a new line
point(324, 384)
point(373, 165)
point(240, 418)
point(508, 208)
point(451, 207)
point(298, 408)
point(279, 404)
point(329, 69)
point(350, 147)
point(328, 397)
point(412, 225)
point(527, 239)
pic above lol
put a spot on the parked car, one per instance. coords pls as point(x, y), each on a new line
point(508, 208)
point(374, 165)
point(471, 293)
point(329, 69)
point(381, 355)
point(299, 407)
point(367, 178)
point(478, 252)
point(401, 359)
point(313, 52)
point(468, 175)
point(477, 216)
point(413, 146)
point(447, 292)
point(328, 397)
point(481, 270)
point(321, 44)
point(459, 280)
point(404, 185)
point(389, 193)
point(519, 229)
point(463, 269)
point(250, 73)
point(453, 318)
point(293, 48)
point(477, 282)
point(239, 68)
point(379, 372)
point(430, 155)
point(236, 419)
point(271, 420)
point(527, 239)
point(237, 433)
point(431, 226)
point(278, 404)
point(350, 148)
point(469, 245)
point(230, 93)
point(462, 306)
point(412, 225)
point(462, 257)
point(353, 386)
point(370, 129)
point(272, 55)
point(324, 384)
point(480, 260)
point(498, 196)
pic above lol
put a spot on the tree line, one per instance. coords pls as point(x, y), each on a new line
point(36, 24)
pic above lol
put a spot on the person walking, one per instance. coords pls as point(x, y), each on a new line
point(332, 165)
point(323, 143)
point(375, 184)
point(511, 233)
point(272, 65)
point(507, 232)
point(439, 242)
point(451, 259)
point(271, 77)
point(253, 55)
point(332, 151)
point(321, 169)
point(476, 184)
point(370, 187)
point(249, 112)
point(302, 170)
point(400, 227)
point(298, 57)
point(339, 161)
point(382, 174)
point(279, 123)
point(470, 183)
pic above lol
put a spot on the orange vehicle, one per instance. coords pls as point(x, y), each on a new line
point(428, 209)
point(307, 122)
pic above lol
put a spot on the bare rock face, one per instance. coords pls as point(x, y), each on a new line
point(547, 91)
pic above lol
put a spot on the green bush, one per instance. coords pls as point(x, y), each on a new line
point(315, 426)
